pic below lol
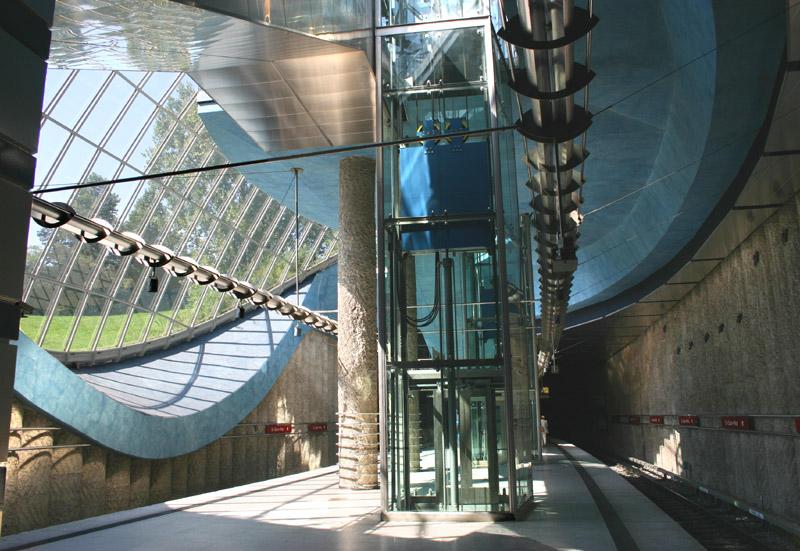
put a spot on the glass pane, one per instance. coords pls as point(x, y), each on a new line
point(39, 298)
point(159, 84)
point(407, 12)
point(188, 307)
point(132, 122)
point(114, 323)
point(85, 264)
point(136, 327)
point(108, 272)
point(63, 318)
point(89, 324)
point(80, 93)
point(53, 81)
point(74, 163)
point(57, 256)
point(51, 140)
point(158, 328)
point(106, 110)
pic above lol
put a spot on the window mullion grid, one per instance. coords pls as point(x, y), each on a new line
point(289, 231)
point(217, 223)
point(198, 216)
point(124, 268)
point(106, 190)
point(60, 93)
point(139, 287)
point(259, 217)
point(295, 251)
point(230, 241)
point(208, 157)
point(250, 268)
point(315, 248)
point(275, 223)
point(154, 207)
point(45, 183)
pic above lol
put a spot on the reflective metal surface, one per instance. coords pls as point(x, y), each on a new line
point(287, 90)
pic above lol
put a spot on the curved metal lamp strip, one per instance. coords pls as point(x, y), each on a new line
point(59, 215)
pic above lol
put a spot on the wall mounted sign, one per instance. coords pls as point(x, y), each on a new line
point(689, 421)
point(278, 428)
point(739, 422)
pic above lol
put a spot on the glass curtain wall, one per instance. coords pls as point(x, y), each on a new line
point(456, 352)
point(100, 125)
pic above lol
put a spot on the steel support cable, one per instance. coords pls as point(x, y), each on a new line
point(544, 33)
point(60, 215)
point(276, 158)
point(404, 141)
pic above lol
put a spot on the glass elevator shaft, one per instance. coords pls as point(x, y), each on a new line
point(456, 325)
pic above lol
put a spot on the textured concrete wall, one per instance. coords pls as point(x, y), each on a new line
point(738, 333)
point(54, 485)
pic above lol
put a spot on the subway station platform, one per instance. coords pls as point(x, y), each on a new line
point(580, 504)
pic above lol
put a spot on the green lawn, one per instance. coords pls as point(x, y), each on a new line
point(58, 332)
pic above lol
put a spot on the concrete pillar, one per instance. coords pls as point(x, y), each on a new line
point(357, 342)
point(26, 45)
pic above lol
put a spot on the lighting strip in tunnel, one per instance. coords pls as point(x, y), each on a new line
point(543, 33)
point(124, 243)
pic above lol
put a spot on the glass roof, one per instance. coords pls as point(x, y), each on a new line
point(99, 125)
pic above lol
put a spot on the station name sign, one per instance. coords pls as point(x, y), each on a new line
point(689, 420)
point(278, 428)
point(656, 419)
point(739, 422)
point(317, 427)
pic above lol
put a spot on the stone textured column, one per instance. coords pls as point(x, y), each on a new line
point(357, 342)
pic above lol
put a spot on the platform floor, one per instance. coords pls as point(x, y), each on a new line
point(581, 504)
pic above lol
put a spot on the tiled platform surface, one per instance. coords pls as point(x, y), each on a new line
point(309, 511)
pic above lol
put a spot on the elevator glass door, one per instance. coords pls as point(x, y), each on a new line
point(455, 443)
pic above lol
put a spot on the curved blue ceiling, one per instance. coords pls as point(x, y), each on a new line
point(662, 158)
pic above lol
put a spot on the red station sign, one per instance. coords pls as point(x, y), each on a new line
point(317, 427)
point(739, 422)
point(689, 420)
point(278, 428)
point(797, 424)
point(656, 419)
point(634, 419)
